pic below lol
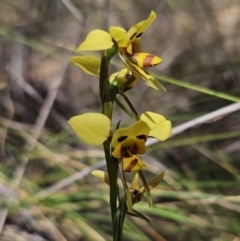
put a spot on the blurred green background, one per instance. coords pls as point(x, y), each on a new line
point(46, 191)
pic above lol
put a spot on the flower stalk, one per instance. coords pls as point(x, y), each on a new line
point(107, 100)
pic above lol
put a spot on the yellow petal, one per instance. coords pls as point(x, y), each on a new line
point(88, 64)
point(132, 164)
point(141, 73)
point(117, 151)
point(96, 40)
point(101, 175)
point(138, 129)
point(135, 182)
point(120, 36)
point(137, 30)
point(160, 127)
point(146, 59)
point(135, 187)
point(91, 128)
point(135, 145)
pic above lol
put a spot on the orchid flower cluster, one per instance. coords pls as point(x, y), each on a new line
point(123, 146)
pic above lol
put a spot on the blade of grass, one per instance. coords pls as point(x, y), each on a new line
point(198, 88)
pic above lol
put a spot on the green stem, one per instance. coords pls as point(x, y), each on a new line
point(119, 219)
point(107, 100)
point(112, 167)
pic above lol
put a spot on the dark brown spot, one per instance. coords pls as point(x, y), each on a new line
point(122, 138)
point(133, 149)
point(125, 152)
point(133, 36)
point(135, 192)
point(127, 88)
point(142, 137)
point(139, 35)
point(132, 165)
point(128, 76)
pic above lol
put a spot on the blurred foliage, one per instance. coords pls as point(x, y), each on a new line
point(198, 41)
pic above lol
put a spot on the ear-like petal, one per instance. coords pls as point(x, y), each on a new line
point(88, 64)
point(139, 128)
point(137, 30)
point(146, 59)
point(91, 128)
point(160, 127)
point(120, 36)
point(96, 40)
point(101, 175)
point(117, 151)
point(132, 164)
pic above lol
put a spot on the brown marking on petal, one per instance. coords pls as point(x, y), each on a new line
point(131, 165)
point(127, 88)
point(135, 192)
point(133, 36)
point(133, 149)
point(128, 76)
point(142, 137)
point(147, 61)
point(139, 35)
point(125, 152)
point(122, 138)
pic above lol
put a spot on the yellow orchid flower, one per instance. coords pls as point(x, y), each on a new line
point(141, 73)
point(127, 143)
point(138, 191)
point(128, 44)
point(129, 51)
point(130, 141)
